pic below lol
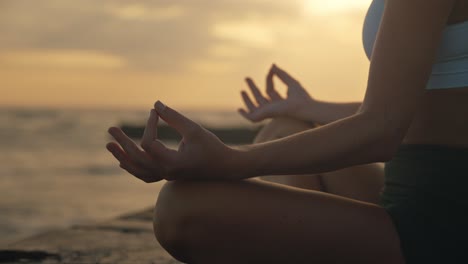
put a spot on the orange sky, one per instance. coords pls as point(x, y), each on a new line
point(188, 53)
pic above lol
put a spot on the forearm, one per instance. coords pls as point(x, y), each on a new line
point(322, 112)
point(355, 140)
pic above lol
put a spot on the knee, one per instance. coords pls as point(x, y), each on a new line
point(282, 127)
point(175, 221)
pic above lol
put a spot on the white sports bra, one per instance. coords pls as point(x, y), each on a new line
point(451, 67)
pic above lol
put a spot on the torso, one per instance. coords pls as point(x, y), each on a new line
point(443, 117)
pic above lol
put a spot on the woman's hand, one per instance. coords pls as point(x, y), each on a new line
point(274, 105)
point(201, 155)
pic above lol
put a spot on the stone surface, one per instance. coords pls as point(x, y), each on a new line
point(127, 239)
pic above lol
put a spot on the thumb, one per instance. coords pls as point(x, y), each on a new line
point(249, 115)
point(271, 110)
point(182, 124)
point(256, 116)
point(285, 77)
point(270, 86)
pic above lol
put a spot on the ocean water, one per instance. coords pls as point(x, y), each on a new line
point(55, 171)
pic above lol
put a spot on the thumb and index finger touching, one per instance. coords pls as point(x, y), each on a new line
point(270, 87)
point(174, 119)
point(179, 122)
point(285, 77)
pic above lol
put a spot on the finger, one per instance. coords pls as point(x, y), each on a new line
point(252, 116)
point(127, 164)
point(247, 101)
point(244, 113)
point(182, 124)
point(135, 154)
point(117, 152)
point(270, 87)
point(140, 173)
point(150, 133)
point(270, 110)
point(284, 76)
point(256, 92)
point(163, 154)
point(153, 146)
point(127, 144)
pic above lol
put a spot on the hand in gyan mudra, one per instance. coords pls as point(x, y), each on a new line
point(200, 155)
point(273, 104)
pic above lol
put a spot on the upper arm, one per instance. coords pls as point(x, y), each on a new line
point(401, 63)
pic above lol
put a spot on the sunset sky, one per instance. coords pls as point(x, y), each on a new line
point(187, 53)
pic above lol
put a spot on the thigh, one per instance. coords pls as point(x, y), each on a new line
point(256, 221)
point(364, 182)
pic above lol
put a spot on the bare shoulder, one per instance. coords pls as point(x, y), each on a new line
point(401, 62)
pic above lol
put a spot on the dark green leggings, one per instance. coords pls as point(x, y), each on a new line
point(426, 195)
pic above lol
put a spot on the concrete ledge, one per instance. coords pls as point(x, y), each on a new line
point(127, 239)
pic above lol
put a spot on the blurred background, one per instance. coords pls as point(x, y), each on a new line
point(70, 69)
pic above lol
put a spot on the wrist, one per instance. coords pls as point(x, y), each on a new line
point(303, 109)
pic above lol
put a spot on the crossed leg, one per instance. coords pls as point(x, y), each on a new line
point(255, 221)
